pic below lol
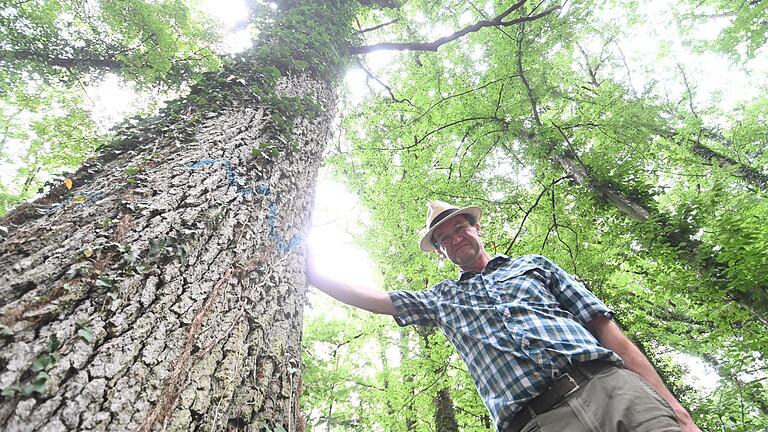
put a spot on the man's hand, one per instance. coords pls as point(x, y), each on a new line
point(688, 427)
point(610, 336)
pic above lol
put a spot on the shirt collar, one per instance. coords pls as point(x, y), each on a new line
point(492, 265)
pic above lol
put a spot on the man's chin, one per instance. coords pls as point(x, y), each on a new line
point(463, 256)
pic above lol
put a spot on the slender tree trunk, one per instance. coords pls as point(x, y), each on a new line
point(165, 289)
point(750, 175)
point(410, 422)
point(445, 413)
point(755, 301)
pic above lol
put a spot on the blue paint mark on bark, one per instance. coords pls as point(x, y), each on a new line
point(82, 199)
point(263, 190)
point(232, 178)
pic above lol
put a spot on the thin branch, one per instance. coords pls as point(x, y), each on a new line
point(529, 91)
point(498, 21)
point(591, 72)
point(626, 66)
point(386, 87)
point(472, 90)
point(528, 213)
point(67, 63)
point(689, 90)
point(374, 28)
point(417, 140)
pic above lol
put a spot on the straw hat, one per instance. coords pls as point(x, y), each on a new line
point(437, 213)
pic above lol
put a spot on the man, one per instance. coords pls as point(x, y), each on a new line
point(541, 349)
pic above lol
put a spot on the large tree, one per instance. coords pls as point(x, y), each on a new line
point(162, 283)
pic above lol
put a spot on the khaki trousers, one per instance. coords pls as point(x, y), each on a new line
point(614, 400)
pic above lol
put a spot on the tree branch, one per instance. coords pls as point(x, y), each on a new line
point(386, 87)
point(498, 21)
point(529, 91)
point(377, 27)
point(528, 213)
point(67, 63)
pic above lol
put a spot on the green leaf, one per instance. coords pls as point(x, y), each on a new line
point(43, 362)
point(53, 343)
point(104, 281)
point(86, 334)
point(39, 385)
point(10, 391)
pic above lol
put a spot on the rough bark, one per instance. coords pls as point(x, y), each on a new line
point(167, 291)
point(747, 173)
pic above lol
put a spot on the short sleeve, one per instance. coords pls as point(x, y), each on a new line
point(415, 307)
point(573, 296)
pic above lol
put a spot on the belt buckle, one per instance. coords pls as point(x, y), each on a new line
point(573, 381)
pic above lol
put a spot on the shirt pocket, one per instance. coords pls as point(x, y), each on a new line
point(457, 295)
point(527, 284)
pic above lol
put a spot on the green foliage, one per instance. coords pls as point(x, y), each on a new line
point(459, 125)
point(37, 378)
point(146, 42)
point(53, 49)
point(308, 37)
point(45, 132)
point(745, 32)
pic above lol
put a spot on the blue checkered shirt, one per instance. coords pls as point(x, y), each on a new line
point(515, 325)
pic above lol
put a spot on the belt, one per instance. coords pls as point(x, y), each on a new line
point(563, 386)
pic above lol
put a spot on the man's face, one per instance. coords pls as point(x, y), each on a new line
point(458, 240)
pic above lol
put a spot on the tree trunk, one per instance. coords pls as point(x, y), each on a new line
point(410, 421)
point(561, 155)
point(445, 413)
point(750, 175)
point(168, 290)
point(165, 289)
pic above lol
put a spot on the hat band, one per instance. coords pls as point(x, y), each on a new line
point(442, 216)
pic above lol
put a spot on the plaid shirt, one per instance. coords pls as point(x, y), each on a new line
point(515, 325)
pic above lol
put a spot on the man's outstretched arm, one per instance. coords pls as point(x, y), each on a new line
point(360, 296)
point(610, 336)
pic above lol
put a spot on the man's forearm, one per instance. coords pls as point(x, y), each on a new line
point(363, 297)
point(611, 337)
point(635, 361)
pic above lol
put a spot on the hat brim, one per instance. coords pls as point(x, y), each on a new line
point(426, 241)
